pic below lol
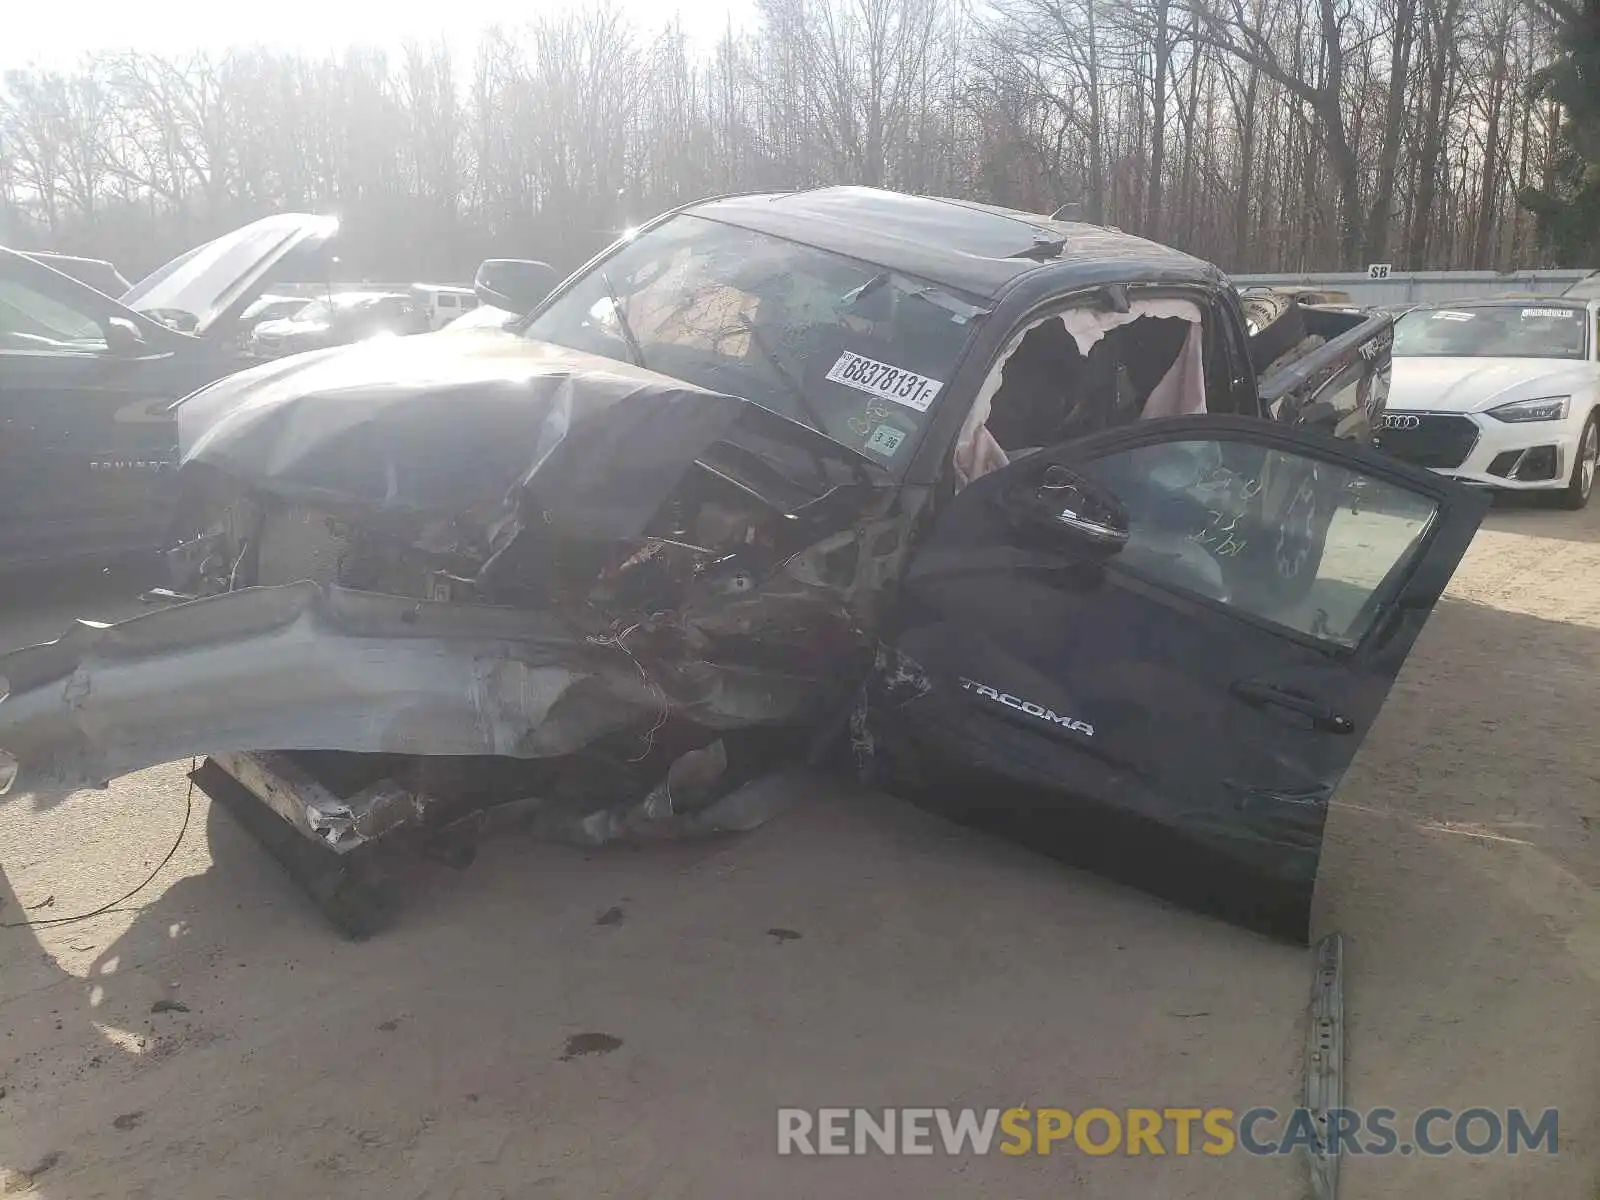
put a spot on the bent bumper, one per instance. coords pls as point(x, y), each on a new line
point(303, 667)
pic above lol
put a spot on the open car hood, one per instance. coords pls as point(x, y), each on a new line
point(216, 282)
point(42, 276)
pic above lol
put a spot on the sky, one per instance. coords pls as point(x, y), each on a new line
point(43, 35)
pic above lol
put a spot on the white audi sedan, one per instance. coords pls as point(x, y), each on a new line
point(1499, 393)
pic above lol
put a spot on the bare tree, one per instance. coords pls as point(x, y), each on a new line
point(1263, 134)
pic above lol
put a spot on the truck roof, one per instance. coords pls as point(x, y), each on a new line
point(970, 247)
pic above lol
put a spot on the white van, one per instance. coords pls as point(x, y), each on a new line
point(443, 304)
point(485, 316)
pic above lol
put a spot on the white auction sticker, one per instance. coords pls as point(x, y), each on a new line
point(1559, 313)
point(1446, 314)
point(880, 379)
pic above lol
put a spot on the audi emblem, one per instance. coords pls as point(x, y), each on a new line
point(1399, 421)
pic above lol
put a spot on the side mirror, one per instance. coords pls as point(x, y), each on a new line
point(518, 285)
point(1071, 507)
point(123, 336)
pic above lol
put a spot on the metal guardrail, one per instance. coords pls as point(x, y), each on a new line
point(1404, 287)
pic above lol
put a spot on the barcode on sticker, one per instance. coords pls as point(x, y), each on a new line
point(884, 380)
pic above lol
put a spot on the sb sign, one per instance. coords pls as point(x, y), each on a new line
point(1378, 270)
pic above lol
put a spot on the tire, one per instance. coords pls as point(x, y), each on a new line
point(1281, 571)
point(1278, 326)
point(1301, 537)
point(1581, 483)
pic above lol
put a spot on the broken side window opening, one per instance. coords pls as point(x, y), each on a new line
point(1073, 373)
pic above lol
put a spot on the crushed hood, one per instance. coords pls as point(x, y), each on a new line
point(1464, 385)
point(434, 427)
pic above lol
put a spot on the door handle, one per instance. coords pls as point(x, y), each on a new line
point(1322, 718)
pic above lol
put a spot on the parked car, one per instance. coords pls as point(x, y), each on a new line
point(484, 316)
point(443, 304)
point(96, 272)
point(1503, 394)
point(1587, 288)
point(338, 320)
point(87, 444)
point(270, 308)
point(1107, 590)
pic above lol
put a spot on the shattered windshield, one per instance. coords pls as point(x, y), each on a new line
point(859, 353)
point(1535, 330)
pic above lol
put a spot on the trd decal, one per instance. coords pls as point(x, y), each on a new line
point(1027, 706)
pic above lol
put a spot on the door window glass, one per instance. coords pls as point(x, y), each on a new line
point(1310, 545)
point(31, 320)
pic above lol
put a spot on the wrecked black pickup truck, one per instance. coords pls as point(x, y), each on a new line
point(996, 502)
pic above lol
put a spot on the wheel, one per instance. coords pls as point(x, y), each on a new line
point(1301, 535)
point(1278, 571)
point(1276, 326)
point(1576, 494)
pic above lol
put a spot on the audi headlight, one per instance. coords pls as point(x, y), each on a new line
point(1546, 408)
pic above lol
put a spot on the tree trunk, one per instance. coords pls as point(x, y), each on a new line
point(1158, 119)
point(1097, 161)
point(1247, 163)
point(1483, 227)
point(1393, 123)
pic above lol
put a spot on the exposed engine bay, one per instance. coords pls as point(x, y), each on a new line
point(694, 566)
point(381, 633)
point(722, 576)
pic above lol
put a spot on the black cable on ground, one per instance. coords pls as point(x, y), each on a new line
point(188, 810)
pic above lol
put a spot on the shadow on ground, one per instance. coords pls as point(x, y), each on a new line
point(1461, 863)
point(1534, 516)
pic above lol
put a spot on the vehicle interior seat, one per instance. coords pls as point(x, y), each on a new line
point(1081, 371)
point(1051, 392)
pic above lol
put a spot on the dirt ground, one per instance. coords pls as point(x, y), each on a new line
point(931, 967)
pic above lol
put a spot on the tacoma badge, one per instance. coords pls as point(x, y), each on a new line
point(1027, 706)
